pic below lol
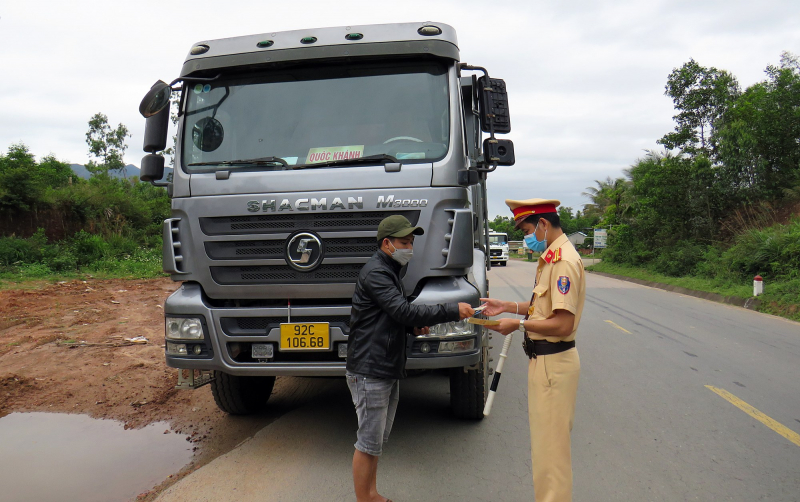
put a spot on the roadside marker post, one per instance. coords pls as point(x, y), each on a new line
point(758, 285)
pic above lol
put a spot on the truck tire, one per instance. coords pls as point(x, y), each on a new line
point(241, 395)
point(468, 390)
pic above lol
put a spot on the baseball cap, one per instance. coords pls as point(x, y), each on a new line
point(397, 226)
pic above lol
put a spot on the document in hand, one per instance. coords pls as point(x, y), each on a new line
point(483, 322)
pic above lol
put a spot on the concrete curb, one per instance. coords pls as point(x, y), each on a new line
point(748, 303)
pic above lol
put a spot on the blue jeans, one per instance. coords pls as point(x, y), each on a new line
point(375, 400)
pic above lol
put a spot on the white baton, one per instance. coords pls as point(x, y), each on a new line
point(496, 379)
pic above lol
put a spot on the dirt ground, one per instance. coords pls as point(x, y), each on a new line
point(63, 348)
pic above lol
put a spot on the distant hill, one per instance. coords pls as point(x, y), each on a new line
point(130, 170)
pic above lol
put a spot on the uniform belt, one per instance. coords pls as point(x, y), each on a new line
point(535, 348)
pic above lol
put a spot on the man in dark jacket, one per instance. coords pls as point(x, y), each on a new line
point(376, 348)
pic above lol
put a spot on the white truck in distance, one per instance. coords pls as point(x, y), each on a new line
point(498, 248)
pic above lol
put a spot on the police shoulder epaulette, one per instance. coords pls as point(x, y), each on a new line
point(553, 256)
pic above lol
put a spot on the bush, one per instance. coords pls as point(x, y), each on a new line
point(625, 247)
point(680, 259)
point(771, 252)
point(89, 248)
point(782, 298)
point(14, 250)
point(143, 263)
point(711, 266)
point(35, 271)
point(119, 247)
point(59, 257)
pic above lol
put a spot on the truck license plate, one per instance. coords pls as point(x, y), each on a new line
point(305, 336)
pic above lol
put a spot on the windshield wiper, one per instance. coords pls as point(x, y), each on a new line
point(261, 161)
point(348, 162)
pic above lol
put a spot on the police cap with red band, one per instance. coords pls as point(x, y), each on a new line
point(524, 208)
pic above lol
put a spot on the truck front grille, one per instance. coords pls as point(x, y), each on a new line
point(355, 247)
point(283, 274)
point(287, 223)
point(249, 326)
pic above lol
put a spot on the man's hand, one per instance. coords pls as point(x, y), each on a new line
point(422, 331)
point(493, 307)
point(506, 326)
point(465, 310)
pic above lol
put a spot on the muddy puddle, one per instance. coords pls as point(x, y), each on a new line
point(56, 457)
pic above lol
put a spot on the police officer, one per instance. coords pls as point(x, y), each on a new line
point(550, 323)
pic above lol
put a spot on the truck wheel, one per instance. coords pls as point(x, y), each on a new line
point(241, 395)
point(468, 390)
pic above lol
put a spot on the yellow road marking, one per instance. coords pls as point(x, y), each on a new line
point(618, 326)
point(753, 412)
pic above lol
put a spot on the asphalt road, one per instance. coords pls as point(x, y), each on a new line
point(679, 399)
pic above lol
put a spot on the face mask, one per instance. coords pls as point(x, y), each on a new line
point(534, 244)
point(402, 256)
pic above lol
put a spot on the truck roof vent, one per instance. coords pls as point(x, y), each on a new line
point(429, 31)
point(308, 40)
point(264, 44)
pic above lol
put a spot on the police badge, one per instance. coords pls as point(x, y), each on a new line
point(563, 284)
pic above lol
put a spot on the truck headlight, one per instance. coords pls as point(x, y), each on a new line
point(458, 328)
point(183, 328)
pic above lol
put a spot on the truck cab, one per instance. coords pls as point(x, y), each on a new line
point(291, 148)
point(498, 248)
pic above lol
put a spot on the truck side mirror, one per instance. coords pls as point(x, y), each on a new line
point(500, 151)
point(155, 131)
point(152, 168)
point(156, 99)
point(494, 105)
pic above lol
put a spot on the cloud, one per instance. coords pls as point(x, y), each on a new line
point(586, 79)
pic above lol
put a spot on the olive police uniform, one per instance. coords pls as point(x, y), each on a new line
point(553, 377)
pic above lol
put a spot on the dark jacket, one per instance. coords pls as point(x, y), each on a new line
point(381, 317)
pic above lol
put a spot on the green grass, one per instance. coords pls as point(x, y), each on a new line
point(141, 264)
point(781, 297)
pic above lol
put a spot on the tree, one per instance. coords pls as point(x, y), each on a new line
point(17, 187)
point(504, 224)
point(579, 222)
point(107, 145)
point(675, 198)
point(758, 150)
point(610, 200)
point(700, 95)
point(24, 182)
point(53, 173)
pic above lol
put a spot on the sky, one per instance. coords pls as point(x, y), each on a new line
point(585, 78)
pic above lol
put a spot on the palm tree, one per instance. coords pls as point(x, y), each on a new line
point(609, 199)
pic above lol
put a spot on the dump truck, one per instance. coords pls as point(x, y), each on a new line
point(290, 149)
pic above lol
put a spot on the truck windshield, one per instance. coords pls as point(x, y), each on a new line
point(309, 115)
point(497, 239)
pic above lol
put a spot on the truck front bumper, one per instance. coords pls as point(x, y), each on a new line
point(223, 329)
